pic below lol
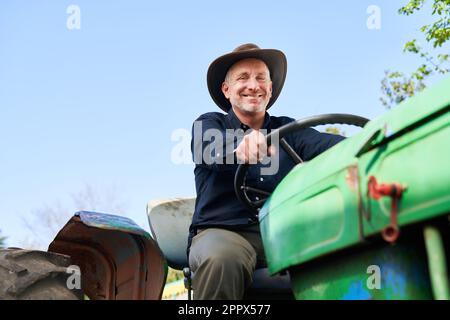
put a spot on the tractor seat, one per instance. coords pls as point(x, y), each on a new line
point(169, 222)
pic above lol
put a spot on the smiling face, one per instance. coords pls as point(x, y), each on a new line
point(248, 86)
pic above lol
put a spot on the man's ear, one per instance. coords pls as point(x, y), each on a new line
point(270, 89)
point(225, 90)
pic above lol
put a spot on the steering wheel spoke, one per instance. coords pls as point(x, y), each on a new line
point(259, 203)
point(256, 190)
point(290, 151)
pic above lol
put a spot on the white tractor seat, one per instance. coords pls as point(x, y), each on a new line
point(169, 221)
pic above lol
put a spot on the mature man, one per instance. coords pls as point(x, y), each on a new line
point(225, 244)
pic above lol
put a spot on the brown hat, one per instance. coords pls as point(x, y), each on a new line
point(274, 59)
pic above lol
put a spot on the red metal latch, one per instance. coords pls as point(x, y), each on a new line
point(395, 191)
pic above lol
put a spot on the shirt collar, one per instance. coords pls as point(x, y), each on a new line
point(237, 124)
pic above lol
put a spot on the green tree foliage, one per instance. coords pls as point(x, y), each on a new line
point(397, 86)
point(2, 240)
point(174, 275)
point(335, 130)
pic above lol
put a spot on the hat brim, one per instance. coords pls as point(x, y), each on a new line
point(274, 59)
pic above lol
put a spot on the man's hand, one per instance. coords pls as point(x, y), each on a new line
point(253, 148)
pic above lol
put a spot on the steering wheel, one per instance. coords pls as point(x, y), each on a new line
point(240, 186)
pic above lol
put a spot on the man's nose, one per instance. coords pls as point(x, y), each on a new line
point(252, 84)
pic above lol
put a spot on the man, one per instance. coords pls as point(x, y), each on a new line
point(225, 244)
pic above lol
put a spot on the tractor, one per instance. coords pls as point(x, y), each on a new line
point(367, 219)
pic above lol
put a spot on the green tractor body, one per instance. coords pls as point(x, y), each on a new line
point(376, 204)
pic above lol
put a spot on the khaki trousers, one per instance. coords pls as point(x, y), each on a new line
point(223, 262)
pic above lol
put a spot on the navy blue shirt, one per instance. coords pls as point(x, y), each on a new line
point(215, 166)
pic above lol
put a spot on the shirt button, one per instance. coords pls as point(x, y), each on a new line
point(261, 179)
point(257, 198)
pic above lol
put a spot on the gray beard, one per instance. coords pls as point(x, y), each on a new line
point(249, 109)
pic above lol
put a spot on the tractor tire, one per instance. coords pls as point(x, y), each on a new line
point(35, 275)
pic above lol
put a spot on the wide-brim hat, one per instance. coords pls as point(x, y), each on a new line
point(274, 59)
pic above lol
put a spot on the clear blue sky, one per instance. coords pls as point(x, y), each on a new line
point(98, 105)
